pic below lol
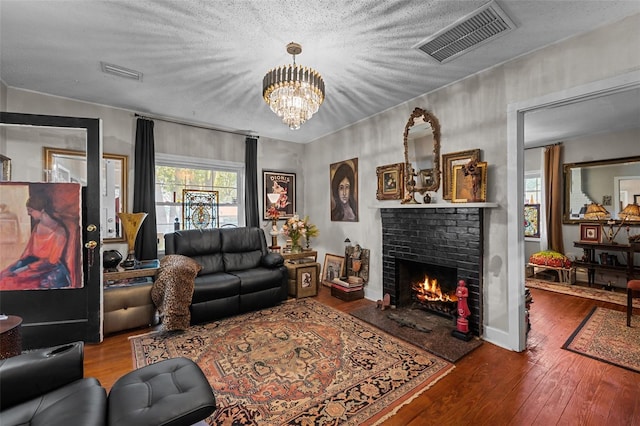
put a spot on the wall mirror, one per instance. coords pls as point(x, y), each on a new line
point(612, 183)
point(421, 154)
point(66, 165)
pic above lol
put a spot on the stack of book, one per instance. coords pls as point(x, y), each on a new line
point(347, 285)
point(347, 290)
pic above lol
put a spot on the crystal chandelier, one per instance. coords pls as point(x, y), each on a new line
point(293, 92)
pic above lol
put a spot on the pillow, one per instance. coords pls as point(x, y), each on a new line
point(550, 258)
point(173, 289)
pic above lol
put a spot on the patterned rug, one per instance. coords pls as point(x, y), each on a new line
point(604, 335)
point(586, 292)
point(300, 363)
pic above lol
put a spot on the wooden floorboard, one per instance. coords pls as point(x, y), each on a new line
point(544, 385)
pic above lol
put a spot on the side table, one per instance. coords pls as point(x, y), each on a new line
point(127, 297)
point(10, 336)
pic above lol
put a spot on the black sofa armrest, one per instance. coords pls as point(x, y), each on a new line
point(272, 260)
point(35, 373)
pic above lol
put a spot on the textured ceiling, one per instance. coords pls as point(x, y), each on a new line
point(203, 61)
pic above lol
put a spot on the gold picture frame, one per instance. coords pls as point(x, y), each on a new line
point(390, 182)
point(462, 185)
point(333, 267)
point(450, 160)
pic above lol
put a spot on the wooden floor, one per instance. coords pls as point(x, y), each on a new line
point(545, 385)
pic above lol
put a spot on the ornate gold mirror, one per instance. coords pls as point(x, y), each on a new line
point(421, 155)
point(66, 165)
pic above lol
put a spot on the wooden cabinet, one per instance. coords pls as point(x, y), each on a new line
point(600, 257)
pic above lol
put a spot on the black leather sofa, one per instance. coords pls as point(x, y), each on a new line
point(47, 387)
point(238, 273)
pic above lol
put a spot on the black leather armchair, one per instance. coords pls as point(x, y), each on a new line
point(47, 387)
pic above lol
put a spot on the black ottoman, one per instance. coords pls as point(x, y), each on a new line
point(171, 392)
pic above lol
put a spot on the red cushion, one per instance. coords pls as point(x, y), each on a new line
point(634, 284)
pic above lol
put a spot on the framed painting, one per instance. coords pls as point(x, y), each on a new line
point(5, 168)
point(200, 209)
point(343, 177)
point(532, 220)
point(463, 185)
point(333, 268)
point(281, 187)
point(636, 199)
point(390, 182)
point(590, 232)
point(450, 160)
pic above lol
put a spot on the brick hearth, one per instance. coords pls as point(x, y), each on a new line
point(450, 237)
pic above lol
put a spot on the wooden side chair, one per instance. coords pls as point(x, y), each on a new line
point(632, 286)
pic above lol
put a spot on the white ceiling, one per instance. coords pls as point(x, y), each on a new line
point(203, 61)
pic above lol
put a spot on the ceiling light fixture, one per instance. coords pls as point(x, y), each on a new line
point(293, 92)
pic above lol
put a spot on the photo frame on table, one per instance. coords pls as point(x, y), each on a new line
point(590, 232)
point(462, 185)
point(454, 159)
point(283, 184)
point(333, 267)
point(390, 182)
point(532, 220)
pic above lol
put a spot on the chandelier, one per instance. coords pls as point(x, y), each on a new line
point(293, 92)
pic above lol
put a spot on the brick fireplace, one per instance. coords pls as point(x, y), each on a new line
point(449, 238)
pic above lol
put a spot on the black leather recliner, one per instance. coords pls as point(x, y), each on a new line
point(47, 387)
point(238, 273)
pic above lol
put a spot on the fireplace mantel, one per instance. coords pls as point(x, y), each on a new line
point(434, 206)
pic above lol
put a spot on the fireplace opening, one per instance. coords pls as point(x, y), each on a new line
point(426, 286)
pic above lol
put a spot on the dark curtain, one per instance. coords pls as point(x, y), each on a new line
point(252, 215)
point(144, 192)
point(553, 196)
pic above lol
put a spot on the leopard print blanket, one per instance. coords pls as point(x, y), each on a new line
point(173, 289)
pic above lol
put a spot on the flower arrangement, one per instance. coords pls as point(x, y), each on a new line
point(295, 228)
point(273, 212)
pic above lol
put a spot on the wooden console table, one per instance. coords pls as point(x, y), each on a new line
point(592, 264)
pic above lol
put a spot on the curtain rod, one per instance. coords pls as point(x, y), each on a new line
point(199, 126)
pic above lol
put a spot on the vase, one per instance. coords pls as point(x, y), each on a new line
point(111, 259)
point(131, 223)
point(295, 246)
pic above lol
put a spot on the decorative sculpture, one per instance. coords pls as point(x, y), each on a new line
point(462, 324)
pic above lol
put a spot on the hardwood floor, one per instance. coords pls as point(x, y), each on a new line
point(544, 385)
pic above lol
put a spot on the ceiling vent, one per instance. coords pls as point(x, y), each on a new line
point(467, 33)
point(120, 71)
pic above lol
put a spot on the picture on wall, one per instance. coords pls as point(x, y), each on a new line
point(532, 220)
point(40, 236)
point(5, 168)
point(343, 177)
point(281, 188)
point(450, 160)
point(390, 182)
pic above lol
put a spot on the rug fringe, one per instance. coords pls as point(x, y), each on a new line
point(412, 397)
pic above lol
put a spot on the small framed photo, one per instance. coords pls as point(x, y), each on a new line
point(450, 160)
point(281, 187)
point(390, 182)
point(636, 199)
point(333, 268)
point(590, 232)
point(307, 281)
point(532, 220)
point(463, 185)
point(5, 168)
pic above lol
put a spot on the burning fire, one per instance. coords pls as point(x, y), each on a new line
point(429, 291)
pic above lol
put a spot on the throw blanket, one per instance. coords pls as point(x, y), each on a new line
point(173, 289)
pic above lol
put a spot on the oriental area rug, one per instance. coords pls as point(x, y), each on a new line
point(617, 298)
point(300, 363)
point(604, 335)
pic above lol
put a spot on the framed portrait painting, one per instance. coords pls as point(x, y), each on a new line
point(532, 220)
point(390, 182)
point(333, 268)
point(281, 188)
point(463, 185)
point(590, 232)
point(343, 177)
point(450, 160)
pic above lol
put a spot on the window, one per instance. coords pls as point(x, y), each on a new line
point(174, 174)
point(532, 188)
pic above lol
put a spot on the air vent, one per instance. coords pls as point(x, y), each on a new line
point(120, 71)
point(467, 33)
